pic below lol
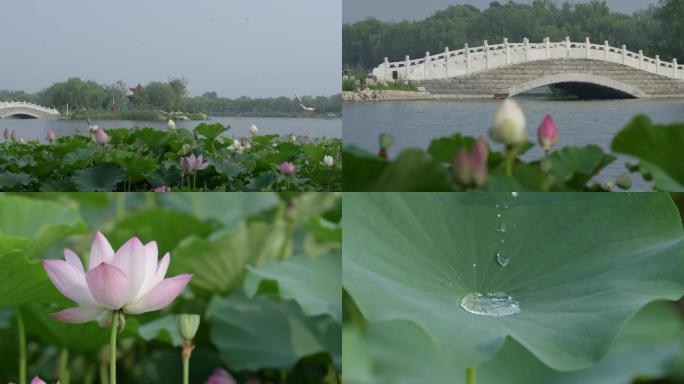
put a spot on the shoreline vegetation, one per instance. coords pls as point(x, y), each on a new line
point(86, 99)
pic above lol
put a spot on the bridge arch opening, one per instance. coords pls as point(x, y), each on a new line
point(583, 86)
point(20, 116)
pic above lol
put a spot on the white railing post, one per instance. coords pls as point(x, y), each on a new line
point(657, 63)
point(567, 46)
point(641, 58)
point(508, 51)
point(624, 54)
point(426, 65)
point(674, 68)
point(386, 70)
point(547, 45)
point(446, 62)
point(526, 41)
point(588, 44)
point(486, 49)
point(466, 52)
point(606, 48)
point(406, 67)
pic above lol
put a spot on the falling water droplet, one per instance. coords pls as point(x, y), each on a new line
point(501, 259)
point(514, 194)
point(498, 215)
point(450, 284)
point(490, 304)
point(474, 265)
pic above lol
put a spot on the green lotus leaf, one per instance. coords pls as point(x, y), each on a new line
point(23, 281)
point(102, 178)
point(579, 266)
point(313, 282)
point(258, 333)
point(578, 165)
point(211, 131)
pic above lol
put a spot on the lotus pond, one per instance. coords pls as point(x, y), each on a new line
point(249, 291)
point(145, 159)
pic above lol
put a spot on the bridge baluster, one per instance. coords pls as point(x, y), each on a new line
point(386, 69)
point(508, 51)
point(674, 68)
point(624, 54)
point(426, 65)
point(641, 58)
point(406, 67)
point(657, 63)
point(486, 49)
point(588, 46)
point(547, 45)
point(606, 48)
point(446, 62)
point(466, 52)
point(567, 46)
point(526, 42)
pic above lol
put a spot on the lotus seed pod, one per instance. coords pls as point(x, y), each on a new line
point(188, 325)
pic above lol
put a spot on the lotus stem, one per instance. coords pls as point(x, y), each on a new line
point(121, 204)
point(112, 348)
point(64, 374)
point(22, 347)
point(187, 352)
point(471, 375)
point(510, 159)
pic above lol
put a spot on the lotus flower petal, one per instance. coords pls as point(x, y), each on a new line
point(69, 281)
point(108, 285)
point(72, 259)
point(100, 251)
point(132, 261)
point(161, 269)
point(37, 380)
point(78, 315)
point(161, 295)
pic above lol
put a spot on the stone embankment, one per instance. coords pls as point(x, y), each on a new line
point(367, 95)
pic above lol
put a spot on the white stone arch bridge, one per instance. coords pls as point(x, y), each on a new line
point(584, 69)
point(24, 110)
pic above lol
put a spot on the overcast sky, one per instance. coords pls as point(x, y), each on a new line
point(397, 10)
point(233, 47)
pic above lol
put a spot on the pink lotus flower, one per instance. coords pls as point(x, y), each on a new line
point(130, 280)
point(287, 168)
point(50, 135)
point(35, 380)
point(101, 136)
point(547, 133)
point(163, 188)
point(190, 164)
point(220, 376)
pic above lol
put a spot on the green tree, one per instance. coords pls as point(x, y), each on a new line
point(158, 95)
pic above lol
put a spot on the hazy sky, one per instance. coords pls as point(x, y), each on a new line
point(233, 47)
point(397, 10)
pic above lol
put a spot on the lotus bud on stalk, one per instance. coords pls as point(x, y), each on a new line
point(328, 161)
point(6, 134)
point(293, 138)
point(478, 162)
point(50, 136)
point(101, 136)
point(287, 168)
point(187, 326)
point(13, 136)
point(253, 129)
point(386, 141)
point(508, 125)
point(220, 376)
point(128, 281)
point(171, 125)
point(547, 133)
point(462, 167)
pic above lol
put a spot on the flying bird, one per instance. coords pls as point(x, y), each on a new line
point(304, 107)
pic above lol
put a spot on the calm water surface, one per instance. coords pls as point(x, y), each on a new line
point(32, 129)
point(416, 124)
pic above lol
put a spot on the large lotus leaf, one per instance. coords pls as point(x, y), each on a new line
point(218, 263)
point(259, 333)
point(163, 329)
point(11, 180)
point(23, 281)
point(356, 359)
point(211, 131)
point(306, 205)
point(313, 282)
point(167, 228)
point(660, 145)
point(228, 208)
point(102, 178)
point(661, 180)
point(580, 266)
point(445, 149)
point(413, 170)
point(643, 349)
point(32, 225)
point(578, 165)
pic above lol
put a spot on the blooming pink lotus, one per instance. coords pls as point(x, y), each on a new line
point(191, 164)
point(130, 280)
point(547, 133)
point(220, 376)
point(101, 136)
point(287, 168)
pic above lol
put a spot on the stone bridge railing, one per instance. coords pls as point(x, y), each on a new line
point(22, 105)
point(472, 60)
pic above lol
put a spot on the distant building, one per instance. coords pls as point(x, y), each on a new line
point(134, 92)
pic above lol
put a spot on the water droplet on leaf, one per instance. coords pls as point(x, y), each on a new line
point(495, 304)
point(514, 194)
point(501, 259)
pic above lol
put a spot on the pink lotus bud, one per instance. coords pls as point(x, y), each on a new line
point(478, 162)
point(287, 168)
point(37, 380)
point(102, 137)
point(6, 134)
point(14, 135)
point(130, 280)
point(547, 133)
point(220, 376)
point(462, 167)
point(50, 135)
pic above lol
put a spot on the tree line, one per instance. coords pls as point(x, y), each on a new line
point(658, 30)
point(87, 95)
